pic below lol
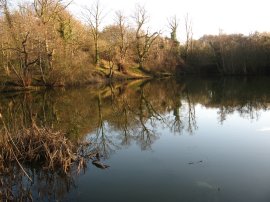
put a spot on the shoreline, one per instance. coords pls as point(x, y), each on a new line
point(9, 87)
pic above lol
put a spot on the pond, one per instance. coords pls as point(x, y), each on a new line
point(191, 139)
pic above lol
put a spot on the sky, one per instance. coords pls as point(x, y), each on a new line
point(208, 16)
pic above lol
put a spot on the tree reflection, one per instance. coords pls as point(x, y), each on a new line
point(191, 123)
point(45, 185)
point(115, 116)
point(122, 113)
point(176, 125)
point(102, 140)
point(147, 115)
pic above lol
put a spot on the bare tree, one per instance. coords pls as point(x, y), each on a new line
point(19, 48)
point(117, 43)
point(144, 40)
point(5, 10)
point(94, 18)
point(123, 39)
point(173, 26)
point(46, 11)
point(189, 36)
point(191, 121)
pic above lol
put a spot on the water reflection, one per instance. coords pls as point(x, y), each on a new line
point(134, 109)
point(45, 185)
point(115, 116)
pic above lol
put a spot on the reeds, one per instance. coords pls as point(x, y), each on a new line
point(39, 147)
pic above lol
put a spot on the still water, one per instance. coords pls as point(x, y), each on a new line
point(194, 139)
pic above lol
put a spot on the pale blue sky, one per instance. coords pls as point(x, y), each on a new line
point(208, 16)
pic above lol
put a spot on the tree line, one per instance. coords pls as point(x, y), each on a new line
point(43, 44)
point(234, 54)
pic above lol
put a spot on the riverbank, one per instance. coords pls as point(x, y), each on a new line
point(97, 76)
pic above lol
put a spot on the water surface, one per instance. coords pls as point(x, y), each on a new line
point(194, 139)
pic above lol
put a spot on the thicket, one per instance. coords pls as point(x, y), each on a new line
point(230, 54)
point(41, 43)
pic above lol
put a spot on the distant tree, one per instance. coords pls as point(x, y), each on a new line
point(124, 43)
point(173, 26)
point(17, 47)
point(109, 41)
point(47, 11)
point(144, 39)
point(94, 18)
point(189, 37)
point(175, 45)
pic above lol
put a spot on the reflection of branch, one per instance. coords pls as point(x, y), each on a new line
point(46, 185)
point(249, 109)
point(150, 109)
point(192, 124)
point(177, 126)
point(152, 113)
point(146, 136)
point(222, 114)
point(121, 108)
point(125, 127)
point(104, 144)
